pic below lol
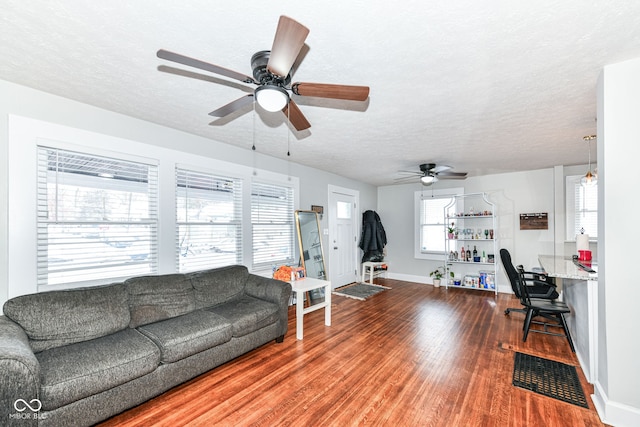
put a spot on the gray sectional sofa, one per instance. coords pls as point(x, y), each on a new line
point(76, 357)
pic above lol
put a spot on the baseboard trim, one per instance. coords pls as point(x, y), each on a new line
point(613, 413)
point(409, 278)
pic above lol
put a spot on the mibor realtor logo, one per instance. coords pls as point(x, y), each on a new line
point(27, 410)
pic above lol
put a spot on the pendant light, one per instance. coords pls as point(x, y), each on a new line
point(590, 178)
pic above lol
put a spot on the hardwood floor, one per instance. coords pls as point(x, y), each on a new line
point(414, 355)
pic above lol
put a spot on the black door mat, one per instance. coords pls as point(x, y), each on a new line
point(549, 378)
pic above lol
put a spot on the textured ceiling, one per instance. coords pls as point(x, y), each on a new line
point(485, 87)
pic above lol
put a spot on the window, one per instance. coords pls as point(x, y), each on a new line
point(343, 210)
point(97, 217)
point(430, 222)
point(271, 224)
point(432, 230)
point(208, 220)
point(582, 208)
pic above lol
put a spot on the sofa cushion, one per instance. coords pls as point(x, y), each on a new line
point(79, 370)
point(247, 314)
point(57, 318)
point(154, 298)
point(185, 335)
point(218, 285)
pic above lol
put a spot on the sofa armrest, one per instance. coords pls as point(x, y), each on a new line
point(272, 290)
point(20, 369)
point(275, 291)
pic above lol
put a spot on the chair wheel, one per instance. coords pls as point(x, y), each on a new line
point(507, 311)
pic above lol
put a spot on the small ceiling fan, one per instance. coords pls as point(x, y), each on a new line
point(430, 173)
point(272, 74)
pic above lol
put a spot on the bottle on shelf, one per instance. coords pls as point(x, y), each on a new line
point(462, 253)
point(475, 252)
point(468, 255)
point(484, 258)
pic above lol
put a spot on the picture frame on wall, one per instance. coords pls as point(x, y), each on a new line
point(318, 209)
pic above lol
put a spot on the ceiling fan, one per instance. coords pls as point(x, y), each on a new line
point(272, 74)
point(430, 173)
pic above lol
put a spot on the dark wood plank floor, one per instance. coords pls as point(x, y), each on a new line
point(414, 355)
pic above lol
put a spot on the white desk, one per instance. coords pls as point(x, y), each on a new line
point(305, 285)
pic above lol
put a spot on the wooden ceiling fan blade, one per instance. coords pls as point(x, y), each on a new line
point(452, 175)
point(296, 118)
point(232, 106)
point(324, 90)
point(440, 168)
point(289, 39)
point(196, 63)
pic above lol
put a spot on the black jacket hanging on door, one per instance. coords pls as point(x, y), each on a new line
point(373, 237)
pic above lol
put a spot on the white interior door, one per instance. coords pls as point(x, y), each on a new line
point(343, 233)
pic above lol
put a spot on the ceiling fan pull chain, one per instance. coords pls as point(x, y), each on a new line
point(253, 147)
point(288, 133)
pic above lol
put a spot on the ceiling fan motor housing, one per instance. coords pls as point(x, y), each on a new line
point(426, 167)
point(259, 62)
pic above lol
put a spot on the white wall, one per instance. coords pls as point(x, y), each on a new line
point(513, 194)
point(26, 102)
point(617, 387)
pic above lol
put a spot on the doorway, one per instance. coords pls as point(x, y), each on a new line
point(343, 235)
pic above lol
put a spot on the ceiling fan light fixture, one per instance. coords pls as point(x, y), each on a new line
point(427, 179)
point(272, 98)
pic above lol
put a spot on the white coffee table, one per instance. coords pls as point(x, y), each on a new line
point(305, 285)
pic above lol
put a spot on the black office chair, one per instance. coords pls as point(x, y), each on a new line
point(536, 283)
point(543, 307)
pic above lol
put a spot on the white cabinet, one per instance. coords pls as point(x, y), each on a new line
point(471, 247)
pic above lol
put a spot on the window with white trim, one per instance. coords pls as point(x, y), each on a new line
point(272, 225)
point(208, 220)
point(432, 230)
point(97, 217)
point(582, 208)
point(430, 222)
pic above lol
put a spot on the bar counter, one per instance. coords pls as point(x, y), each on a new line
point(579, 289)
point(564, 268)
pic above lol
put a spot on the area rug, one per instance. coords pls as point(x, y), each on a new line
point(359, 291)
point(549, 378)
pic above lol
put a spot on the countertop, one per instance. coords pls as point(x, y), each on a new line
point(564, 268)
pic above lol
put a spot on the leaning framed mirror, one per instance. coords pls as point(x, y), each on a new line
point(310, 244)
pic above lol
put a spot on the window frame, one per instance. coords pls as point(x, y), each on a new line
point(67, 186)
point(286, 221)
point(205, 186)
point(419, 197)
point(572, 185)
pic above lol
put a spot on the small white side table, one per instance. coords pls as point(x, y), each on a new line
point(370, 267)
point(305, 285)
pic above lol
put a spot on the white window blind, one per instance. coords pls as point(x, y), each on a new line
point(209, 220)
point(272, 224)
point(432, 229)
point(582, 208)
point(97, 217)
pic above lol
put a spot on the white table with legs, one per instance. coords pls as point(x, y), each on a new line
point(300, 287)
